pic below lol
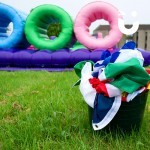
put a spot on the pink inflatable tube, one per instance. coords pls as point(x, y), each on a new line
point(91, 13)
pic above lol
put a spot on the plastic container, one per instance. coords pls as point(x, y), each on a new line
point(130, 115)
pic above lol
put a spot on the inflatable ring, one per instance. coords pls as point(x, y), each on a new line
point(38, 22)
point(89, 14)
point(17, 38)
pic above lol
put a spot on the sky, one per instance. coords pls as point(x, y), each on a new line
point(141, 7)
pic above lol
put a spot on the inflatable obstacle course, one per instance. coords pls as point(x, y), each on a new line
point(49, 30)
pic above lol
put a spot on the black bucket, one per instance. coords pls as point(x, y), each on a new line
point(129, 117)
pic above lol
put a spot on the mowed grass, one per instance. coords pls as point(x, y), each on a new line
point(41, 111)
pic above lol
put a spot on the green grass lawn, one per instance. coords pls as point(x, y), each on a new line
point(41, 111)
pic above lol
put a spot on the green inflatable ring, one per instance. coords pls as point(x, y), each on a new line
point(38, 22)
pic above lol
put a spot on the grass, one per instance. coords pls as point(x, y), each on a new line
point(41, 111)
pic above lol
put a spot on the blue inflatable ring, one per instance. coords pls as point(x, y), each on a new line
point(17, 38)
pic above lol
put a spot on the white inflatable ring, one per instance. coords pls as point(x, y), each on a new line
point(89, 14)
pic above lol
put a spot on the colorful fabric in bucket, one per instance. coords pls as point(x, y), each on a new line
point(115, 78)
point(128, 76)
